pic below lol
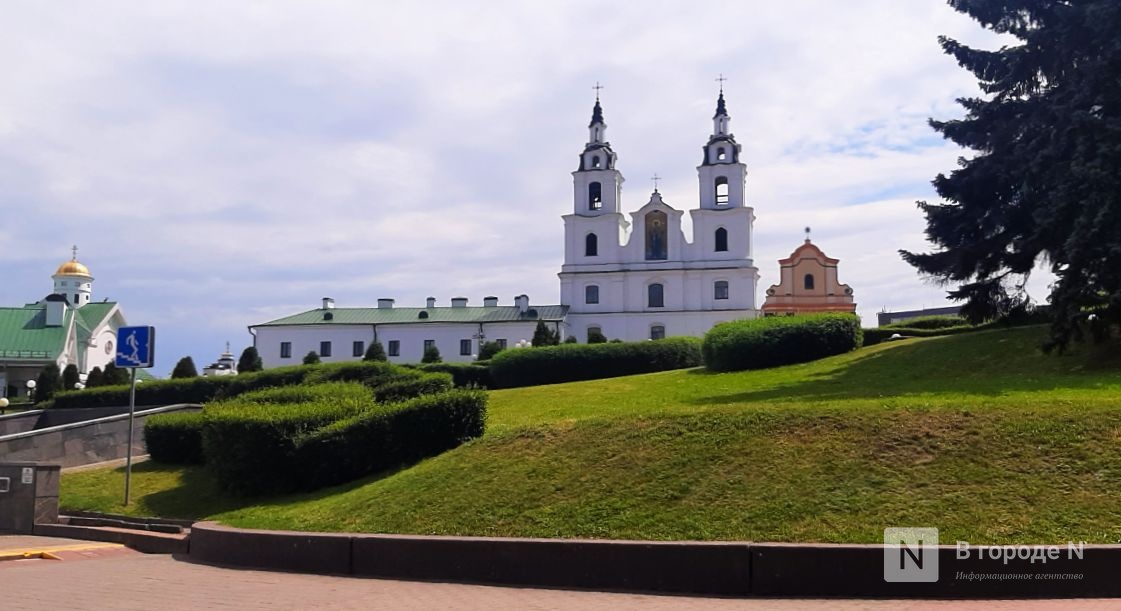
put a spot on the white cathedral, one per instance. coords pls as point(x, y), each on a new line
point(631, 279)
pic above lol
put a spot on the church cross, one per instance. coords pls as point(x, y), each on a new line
point(721, 80)
point(597, 87)
point(807, 234)
point(74, 251)
point(655, 178)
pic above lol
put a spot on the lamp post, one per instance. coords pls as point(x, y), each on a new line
point(31, 390)
point(3, 404)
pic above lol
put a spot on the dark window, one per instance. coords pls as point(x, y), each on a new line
point(594, 332)
point(591, 245)
point(75, 299)
point(429, 343)
point(721, 187)
point(721, 155)
point(465, 347)
point(656, 236)
point(655, 297)
point(808, 282)
point(595, 196)
point(591, 294)
point(324, 348)
point(595, 161)
point(394, 347)
point(359, 349)
point(285, 350)
point(657, 332)
point(720, 289)
point(501, 343)
point(721, 240)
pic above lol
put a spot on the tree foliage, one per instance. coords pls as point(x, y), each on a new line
point(1044, 184)
point(544, 336)
point(431, 355)
point(47, 383)
point(185, 368)
point(113, 375)
point(312, 358)
point(70, 377)
point(94, 378)
point(375, 352)
point(488, 350)
point(249, 361)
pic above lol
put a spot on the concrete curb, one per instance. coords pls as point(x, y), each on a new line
point(680, 567)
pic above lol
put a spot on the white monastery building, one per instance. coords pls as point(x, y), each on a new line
point(66, 327)
point(633, 276)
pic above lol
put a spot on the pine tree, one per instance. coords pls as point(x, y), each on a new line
point(70, 377)
point(431, 355)
point(375, 352)
point(47, 382)
point(312, 358)
point(94, 378)
point(185, 368)
point(1045, 182)
point(250, 361)
point(544, 336)
point(114, 376)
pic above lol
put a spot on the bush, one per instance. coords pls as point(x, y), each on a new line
point(376, 352)
point(544, 336)
point(571, 362)
point(114, 376)
point(488, 350)
point(250, 443)
point(408, 388)
point(464, 375)
point(151, 393)
point(232, 386)
point(47, 383)
point(312, 358)
point(185, 368)
point(370, 373)
point(779, 340)
point(70, 377)
point(93, 378)
point(431, 355)
point(390, 435)
point(175, 438)
point(928, 322)
point(250, 361)
point(595, 336)
point(881, 334)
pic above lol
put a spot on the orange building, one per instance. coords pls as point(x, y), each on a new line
point(808, 283)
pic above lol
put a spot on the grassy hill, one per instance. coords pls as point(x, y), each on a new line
point(977, 434)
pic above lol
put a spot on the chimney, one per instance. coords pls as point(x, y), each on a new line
point(522, 301)
point(328, 303)
point(490, 302)
point(459, 302)
point(431, 302)
point(385, 304)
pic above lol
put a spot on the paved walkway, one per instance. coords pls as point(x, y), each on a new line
point(118, 578)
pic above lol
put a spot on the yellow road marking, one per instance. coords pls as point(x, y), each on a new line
point(50, 550)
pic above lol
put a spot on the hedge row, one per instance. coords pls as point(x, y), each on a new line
point(175, 438)
point(880, 334)
point(928, 322)
point(779, 340)
point(464, 375)
point(407, 388)
point(571, 362)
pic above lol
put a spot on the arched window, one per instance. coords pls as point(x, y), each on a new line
point(595, 196)
point(595, 161)
point(591, 245)
point(808, 282)
point(657, 332)
point(591, 294)
point(721, 155)
point(595, 335)
point(655, 296)
point(721, 240)
point(721, 187)
point(720, 289)
point(656, 234)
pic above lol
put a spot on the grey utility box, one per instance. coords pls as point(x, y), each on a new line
point(28, 496)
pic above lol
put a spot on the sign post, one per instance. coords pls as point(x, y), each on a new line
point(136, 348)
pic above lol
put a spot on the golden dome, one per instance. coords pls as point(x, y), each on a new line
point(72, 268)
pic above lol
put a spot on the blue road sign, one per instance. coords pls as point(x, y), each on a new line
point(136, 347)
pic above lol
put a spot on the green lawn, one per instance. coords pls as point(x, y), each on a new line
point(977, 434)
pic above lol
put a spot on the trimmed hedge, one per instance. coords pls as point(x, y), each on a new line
point(881, 334)
point(389, 436)
point(464, 375)
point(928, 322)
point(779, 340)
point(174, 438)
point(572, 362)
point(150, 393)
point(408, 388)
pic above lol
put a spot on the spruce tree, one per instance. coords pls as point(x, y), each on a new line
point(250, 361)
point(70, 377)
point(312, 358)
point(47, 382)
point(1044, 182)
point(185, 368)
point(431, 355)
point(375, 352)
point(544, 336)
point(94, 378)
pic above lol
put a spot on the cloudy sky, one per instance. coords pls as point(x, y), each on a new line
point(223, 164)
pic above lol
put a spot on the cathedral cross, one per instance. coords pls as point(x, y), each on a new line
point(597, 87)
point(721, 80)
point(655, 178)
point(74, 251)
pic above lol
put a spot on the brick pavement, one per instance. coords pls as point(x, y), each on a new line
point(130, 580)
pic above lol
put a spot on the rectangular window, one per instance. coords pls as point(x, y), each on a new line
point(394, 347)
point(465, 347)
point(324, 348)
point(591, 294)
point(501, 343)
point(359, 349)
point(285, 350)
point(657, 332)
point(429, 343)
point(720, 289)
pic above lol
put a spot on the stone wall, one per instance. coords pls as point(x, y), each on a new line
point(11, 424)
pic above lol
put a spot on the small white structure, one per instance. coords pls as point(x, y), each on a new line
point(65, 327)
point(344, 334)
point(643, 278)
point(224, 366)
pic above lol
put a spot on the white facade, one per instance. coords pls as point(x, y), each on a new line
point(642, 277)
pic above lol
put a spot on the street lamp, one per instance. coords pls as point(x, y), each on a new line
point(3, 404)
point(30, 389)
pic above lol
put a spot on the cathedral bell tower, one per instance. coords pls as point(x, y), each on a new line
point(596, 181)
point(721, 174)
